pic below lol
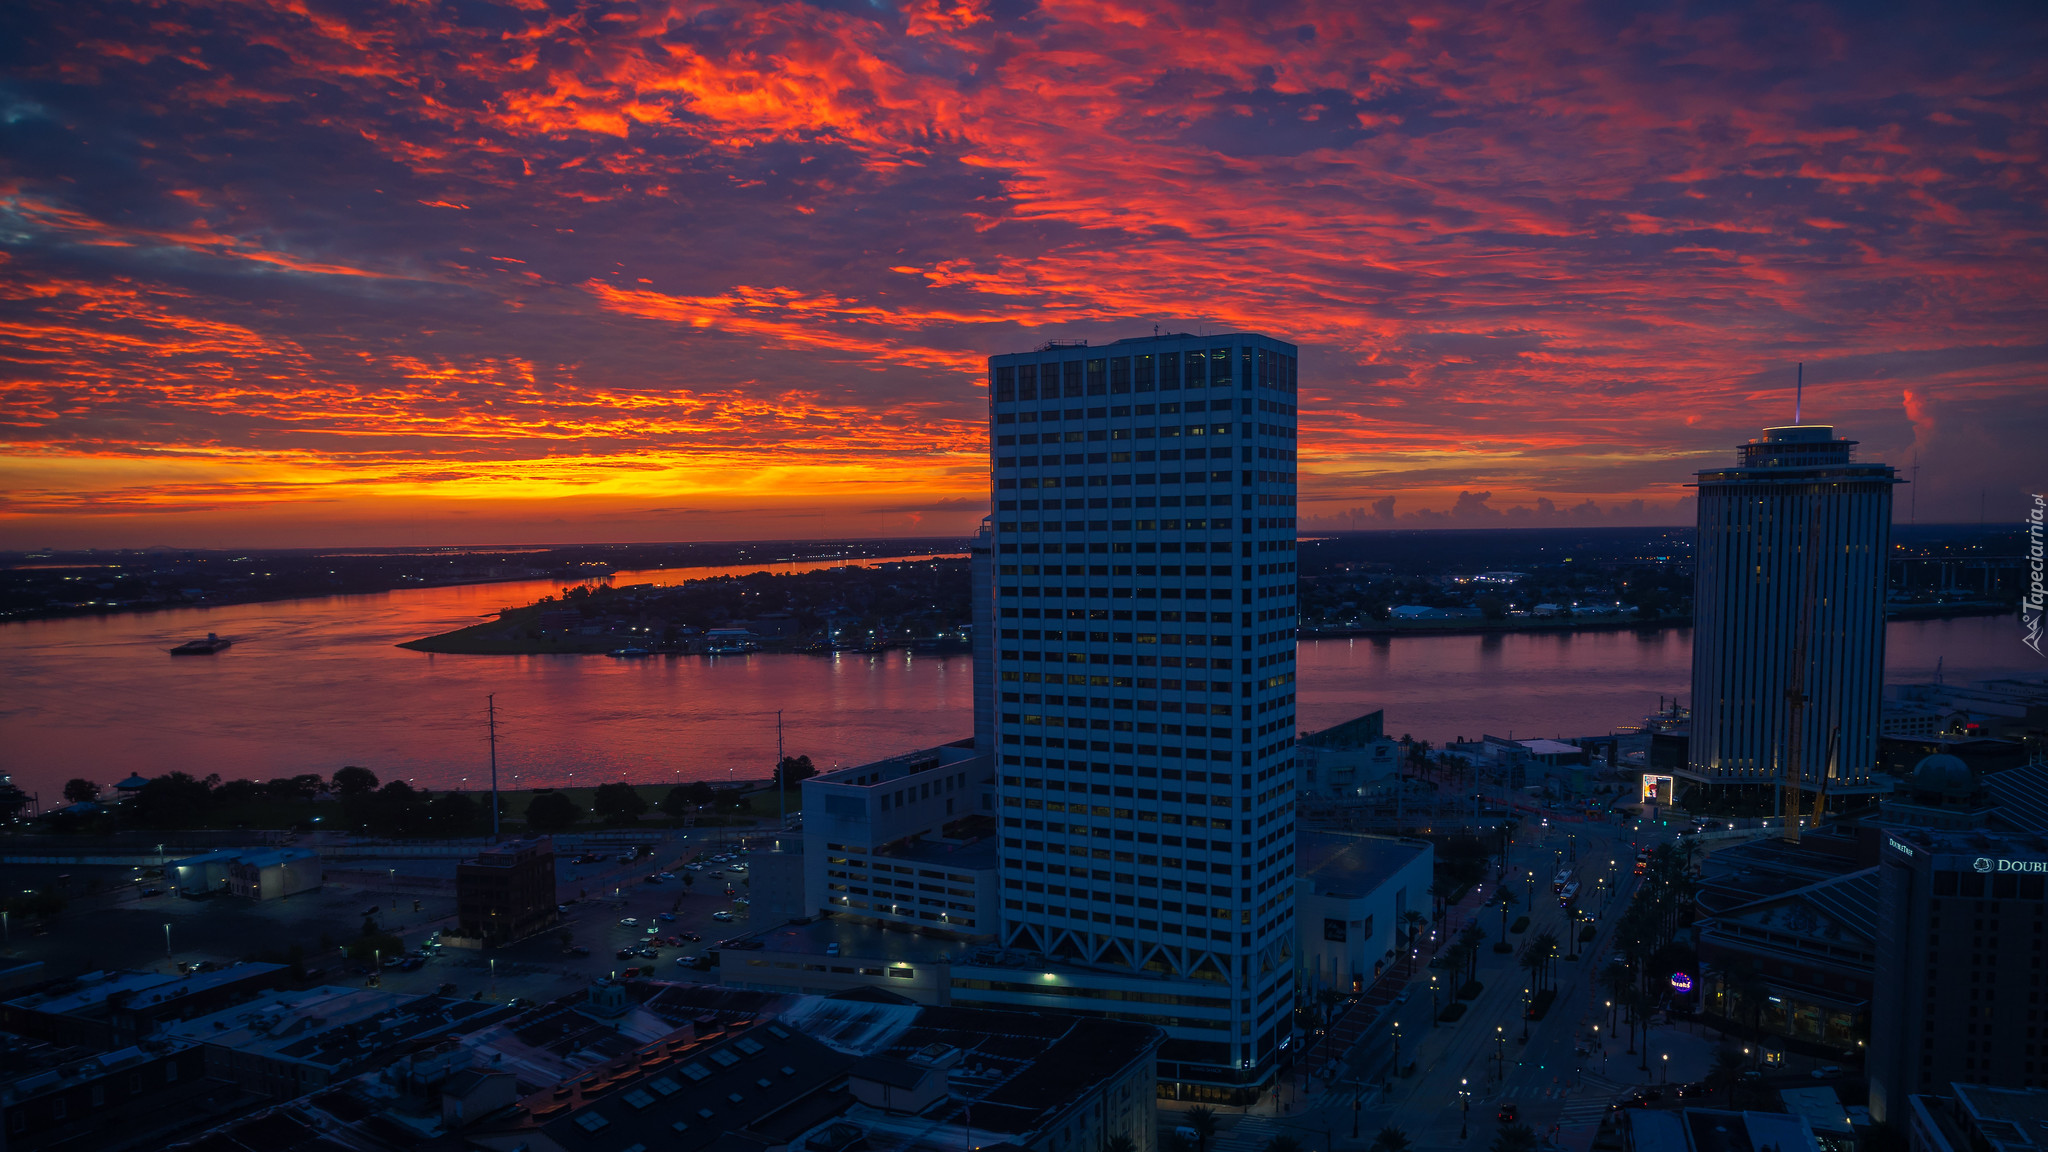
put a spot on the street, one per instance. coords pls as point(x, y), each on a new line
point(1564, 1074)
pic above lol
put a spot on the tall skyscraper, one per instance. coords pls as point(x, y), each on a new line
point(1789, 601)
point(1144, 617)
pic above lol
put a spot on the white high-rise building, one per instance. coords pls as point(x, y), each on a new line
point(1796, 531)
point(1144, 621)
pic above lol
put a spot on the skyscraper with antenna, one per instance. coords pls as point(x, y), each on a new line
point(1788, 637)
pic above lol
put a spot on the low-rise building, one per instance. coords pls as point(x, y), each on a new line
point(507, 892)
point(826, 1075)
point(1352, 897)
point(905, 841)
point(117, 1008)
point(1788, 935)
point(1978, 1118)
point(77, 1099)
point(274, 874)
point(1349, 760)
point(287, 1043)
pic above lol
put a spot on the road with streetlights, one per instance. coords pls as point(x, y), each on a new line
point(1463, 1072)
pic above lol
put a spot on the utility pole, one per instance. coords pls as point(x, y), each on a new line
point(491, 709)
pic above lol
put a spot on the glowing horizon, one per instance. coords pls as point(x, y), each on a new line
point(280, 274)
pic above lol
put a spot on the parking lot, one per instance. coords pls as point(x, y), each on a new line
point(599, 894)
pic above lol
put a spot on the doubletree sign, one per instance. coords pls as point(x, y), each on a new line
point(1988, 864)
point(1681, 983)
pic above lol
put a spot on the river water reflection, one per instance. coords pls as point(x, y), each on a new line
point(311, 685)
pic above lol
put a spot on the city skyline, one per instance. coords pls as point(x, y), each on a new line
point(386, 276)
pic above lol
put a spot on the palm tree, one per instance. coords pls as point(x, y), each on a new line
point(1727, 1072)
point(1617, 980)
point(1472, 938)
point(1514, 1138)
point(1505, 897)
point(1441, 890)
point(1545, 948)
point(1390, 1139)
point(1203, 1120)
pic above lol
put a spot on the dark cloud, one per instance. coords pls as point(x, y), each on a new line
point(393, 265)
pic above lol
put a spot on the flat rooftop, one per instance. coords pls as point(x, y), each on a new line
point(875, 773)
point(1353, 864)
point(980, 855)
point(92, 989)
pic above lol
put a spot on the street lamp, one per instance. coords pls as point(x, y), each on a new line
point(1397, 1047)
point(1527, 1002)
point(167, 940)
point(1500, 1053)
point(1667, 1067)
point(1464, 1105)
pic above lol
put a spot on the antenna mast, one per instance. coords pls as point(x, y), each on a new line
point(491, 706)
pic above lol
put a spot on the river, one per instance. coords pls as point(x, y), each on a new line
point(312, 685)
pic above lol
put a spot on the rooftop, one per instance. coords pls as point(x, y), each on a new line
point(878, 772)
point(331, 1026)
point(1352, 864)
point(69, 1073)
point(93, 989)
point(2008, 1118)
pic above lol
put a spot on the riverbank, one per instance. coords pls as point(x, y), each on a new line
point(1467, 626)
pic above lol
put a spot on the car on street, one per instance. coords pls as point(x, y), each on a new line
point(649, 954)
point(630, 921)
point(693, 963)
point(694, 866)
point(623, 954)
point(1688, 1091)
point(1508, 1115)
point(690, 936)
point(667, 917)
point(721, 916)
point(667, 875)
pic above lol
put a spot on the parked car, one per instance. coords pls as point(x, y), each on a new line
point(1507, 1114)
point(721, 916)
point(667, 875)
point(630, 921)
point(667, 917)
point(650, 953)
point(692, 937)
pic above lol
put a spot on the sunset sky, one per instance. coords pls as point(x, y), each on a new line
point(313, 272)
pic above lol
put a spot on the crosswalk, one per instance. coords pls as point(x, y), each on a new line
point(1249, 1134)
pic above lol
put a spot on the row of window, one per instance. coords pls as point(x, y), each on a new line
point(1149, 771)
point(1192, 777)
point(1012, 527)
point(1037, 482)
point(1164, 750)
point(1144, 432)
point(1147, 372)
point(1214, 476)
point(1056, 591)
point(1138, 456)
point(1200, 799)
point(1164, 615)
point(1100, 637)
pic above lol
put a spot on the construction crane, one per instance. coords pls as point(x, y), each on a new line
point(1796, 699)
